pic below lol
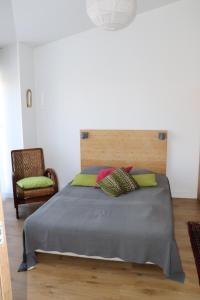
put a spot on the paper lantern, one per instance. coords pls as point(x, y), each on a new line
point(111, 14)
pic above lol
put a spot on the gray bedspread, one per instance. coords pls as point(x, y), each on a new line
point(136, 227)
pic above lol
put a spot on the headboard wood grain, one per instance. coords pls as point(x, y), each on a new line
point(117, 148)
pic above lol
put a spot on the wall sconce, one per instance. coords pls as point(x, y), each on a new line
point(162, 136)
point(29, 98)
point(84, 135)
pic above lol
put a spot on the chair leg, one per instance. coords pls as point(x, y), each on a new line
point(17, 212)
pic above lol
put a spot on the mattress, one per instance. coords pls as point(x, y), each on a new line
point(83, 256)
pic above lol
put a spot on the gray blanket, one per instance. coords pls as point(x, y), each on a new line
point(136, 227)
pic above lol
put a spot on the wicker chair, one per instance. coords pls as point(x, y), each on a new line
point(28, 163)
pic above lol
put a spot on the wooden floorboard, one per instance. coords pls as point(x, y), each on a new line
point(59, 278)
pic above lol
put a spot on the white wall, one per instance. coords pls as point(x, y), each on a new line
point(27, 82)
point(17, 122)
point(10, 113)
point(144, 77)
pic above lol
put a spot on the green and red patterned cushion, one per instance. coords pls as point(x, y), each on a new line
point(118, 182)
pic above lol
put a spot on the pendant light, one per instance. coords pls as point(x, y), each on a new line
point(111, 14)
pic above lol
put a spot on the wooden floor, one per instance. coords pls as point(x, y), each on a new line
point(58, 277)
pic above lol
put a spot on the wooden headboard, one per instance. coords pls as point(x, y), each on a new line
point(117, 148)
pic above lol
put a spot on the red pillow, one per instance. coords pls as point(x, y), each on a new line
point(128, 169)
point(105, 172)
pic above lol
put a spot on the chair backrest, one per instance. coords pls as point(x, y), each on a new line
point(27, 163)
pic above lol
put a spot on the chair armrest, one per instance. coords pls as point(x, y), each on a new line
point(52, 175)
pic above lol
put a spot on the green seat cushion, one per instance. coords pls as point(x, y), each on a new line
point(84, 180)
point(34, 182)
point(145, 180)
point(117, 183)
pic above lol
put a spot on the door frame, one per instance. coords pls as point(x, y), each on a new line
point(5, 279)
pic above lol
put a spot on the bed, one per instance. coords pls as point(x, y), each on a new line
point(84, 221)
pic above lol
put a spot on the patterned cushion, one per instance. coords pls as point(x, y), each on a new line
point(117, 183)
point(126, 181)
point(110, 186)
point(105, 172)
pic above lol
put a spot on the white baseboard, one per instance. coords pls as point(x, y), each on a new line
point(184, 195)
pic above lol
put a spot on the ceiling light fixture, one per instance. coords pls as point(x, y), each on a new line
point(111, 14)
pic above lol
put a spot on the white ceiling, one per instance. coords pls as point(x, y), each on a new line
point(40, 21)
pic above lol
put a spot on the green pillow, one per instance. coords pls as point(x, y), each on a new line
point(145, 180)
point(34, 182)
point(117, 183)
point(84, 180)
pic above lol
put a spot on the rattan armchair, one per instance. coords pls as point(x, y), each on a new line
point(29, 163)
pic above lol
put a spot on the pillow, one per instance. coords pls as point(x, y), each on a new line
point(34, 182)
point(138, 171)
point(145, 180)
point(111, 186)
point(128, 169)
point(93, 169)
point(126, 181)
point(105, 172)
point(118, 182)
point(84, 180)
